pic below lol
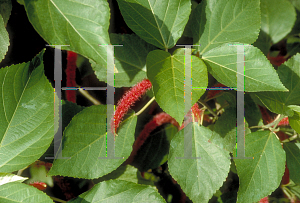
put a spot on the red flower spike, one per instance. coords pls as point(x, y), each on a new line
point(39, 163)
point(158, 120)
point(197, 112)
point(264, 200)
point(265, 115)
point(65, 187)
point(284, 122)
point(286, 176)
point(128, 100)
point(197, 115)
point(39, 185)
point(71, 76)
point(277, 61)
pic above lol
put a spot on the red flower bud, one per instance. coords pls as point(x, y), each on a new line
point(39, 185)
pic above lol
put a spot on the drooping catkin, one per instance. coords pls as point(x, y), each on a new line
point(128, 100)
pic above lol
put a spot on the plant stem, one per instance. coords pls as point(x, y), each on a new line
point(21, 171)
point(271, 126)
point(276, 121)
point(208, 108)
point(291, 138)
point(87, 95)
point(143, 109)
point(58, 200)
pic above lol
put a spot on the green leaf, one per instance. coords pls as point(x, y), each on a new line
point(296, 4)
point(252, 112)
point(278, 102)
point(69, 110)
point(8, 177)
point(225, 22)
point(259, 74)
point(158, 23)
point(198, 178)
point(130, 60)
point(263, 42)
point(21, 2)
point(294, 121)
point(224, 134)
point(277, 19)
point(293, 160)
point(260, 176)
point(83, 26)
point(151, 154)
point(167, 73)
point(188, 28)
point(26, 114)
point(4, 39)
point(120, 191)
point(20, 192)
point(5, 10)
point(225, 131)
point(127, 173)
point(84, 142)
point(295, 108)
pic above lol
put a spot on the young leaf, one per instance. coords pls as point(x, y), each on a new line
point(277, 19)
point(294, 121)
point(260, 176)
point(259, 74)
point(120, 191)
point(84, 142)
point(158, 23)
point(198, 178)
point(167, 73)
point(225, 22)
point(20, 192)
point(27, 124)
point(83, 26)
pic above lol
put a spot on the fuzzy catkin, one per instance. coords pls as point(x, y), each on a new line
point(71, 76)
point(157, 120)
point(128, 100)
